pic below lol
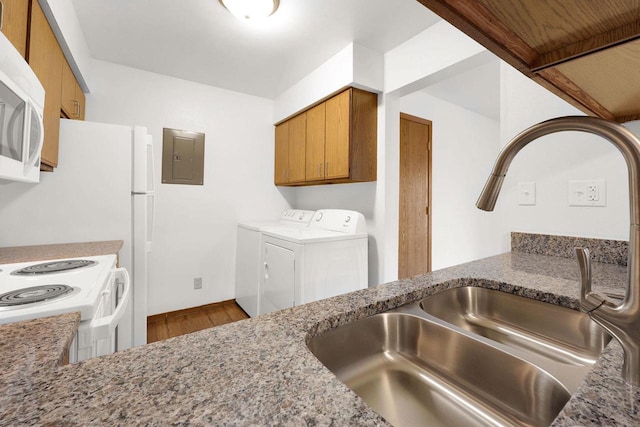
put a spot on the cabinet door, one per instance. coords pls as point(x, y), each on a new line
point(14, 19)
point(68, 102)
point(281, 163)
point(337, 136)
point(297, 142)
point(46, 59)
point(278, 280)
point(72, 102)
point(80, 99)
point(315, 143)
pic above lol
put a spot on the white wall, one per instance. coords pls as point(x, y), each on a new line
point(355, 65)
point(465, 145)
point(195, 230)
point(551, 162)
point(431, 54)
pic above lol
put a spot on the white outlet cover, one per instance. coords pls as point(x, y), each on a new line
point(527, 193)
point(590, 192)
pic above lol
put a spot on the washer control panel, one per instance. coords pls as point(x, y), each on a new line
point(297, 216)
point(344, 221)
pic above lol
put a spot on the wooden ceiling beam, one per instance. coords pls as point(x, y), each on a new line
point(591, 45)
point(479, 23)
point(559, 84)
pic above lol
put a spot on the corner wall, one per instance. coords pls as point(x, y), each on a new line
point(195, 229)
point(355, 65)
point(551, 162)
point(464, 145)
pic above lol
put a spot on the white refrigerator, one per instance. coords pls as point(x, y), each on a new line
point(102, 189)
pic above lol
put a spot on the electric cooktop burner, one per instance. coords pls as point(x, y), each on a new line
point(34, 294)
point(53, 267)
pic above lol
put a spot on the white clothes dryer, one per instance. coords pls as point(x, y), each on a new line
point(248, 262)
point(301, 265)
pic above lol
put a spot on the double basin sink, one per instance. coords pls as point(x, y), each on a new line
point(465, 356)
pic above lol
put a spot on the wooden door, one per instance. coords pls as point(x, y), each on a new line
point(297, 142)
point(46, 59)
point(15, 15)
point(414, 240)
point(314, 170)
point(338, 111)
point(281, 163)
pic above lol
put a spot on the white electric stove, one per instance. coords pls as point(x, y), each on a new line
point(92, 286)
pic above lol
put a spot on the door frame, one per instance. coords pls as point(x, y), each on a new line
point(429, 207)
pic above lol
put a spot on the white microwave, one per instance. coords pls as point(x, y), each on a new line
point(21, 109)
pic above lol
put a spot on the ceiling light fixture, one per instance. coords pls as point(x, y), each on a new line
point(251, 9)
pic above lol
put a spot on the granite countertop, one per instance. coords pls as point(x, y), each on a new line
point(259, 371)
point(15, 254)
point(31, 349)
point(33, 345)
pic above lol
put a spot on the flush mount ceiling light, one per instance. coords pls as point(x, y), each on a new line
point(251, 9)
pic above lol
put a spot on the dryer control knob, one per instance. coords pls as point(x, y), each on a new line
point(347, 219)
point(319, 216)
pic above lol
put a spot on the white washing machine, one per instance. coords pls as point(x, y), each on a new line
point(248, 262)
point(301, 265)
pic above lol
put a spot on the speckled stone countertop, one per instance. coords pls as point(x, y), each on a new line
point(14, 254)
point(602, 250)
point(259, 371)
point(32, 348)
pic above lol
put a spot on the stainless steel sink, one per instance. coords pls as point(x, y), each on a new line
point(556, 334)
point(465, 356)
point(415, 371)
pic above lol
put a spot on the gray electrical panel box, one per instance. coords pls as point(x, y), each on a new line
point(182, 157)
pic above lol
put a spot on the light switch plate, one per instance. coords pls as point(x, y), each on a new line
point(527, 193)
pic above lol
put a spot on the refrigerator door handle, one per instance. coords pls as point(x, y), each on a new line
point(150, 165)
point(151, 221)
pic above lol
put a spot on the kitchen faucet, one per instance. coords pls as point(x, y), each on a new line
point(622, 320)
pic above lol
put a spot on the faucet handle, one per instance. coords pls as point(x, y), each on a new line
point(589, 301)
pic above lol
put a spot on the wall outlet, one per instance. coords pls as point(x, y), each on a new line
point(197, 283)
point(588, 193)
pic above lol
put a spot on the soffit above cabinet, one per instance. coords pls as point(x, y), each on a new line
point(587, 52)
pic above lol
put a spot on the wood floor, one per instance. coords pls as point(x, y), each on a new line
point(172, 324)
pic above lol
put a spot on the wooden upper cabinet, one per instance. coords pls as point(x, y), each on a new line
point(46, 59)
point(281, 163)
point(14, 20)
point(337, 139)
point(72, 102)
point(340, 141)
point(63, 94)
point(297, 149)
point(290, 151)
point(586, 52)
point(315, 147)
